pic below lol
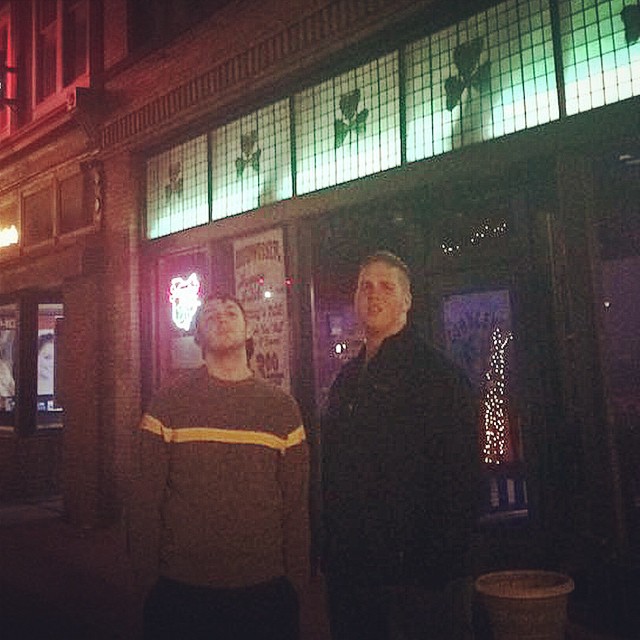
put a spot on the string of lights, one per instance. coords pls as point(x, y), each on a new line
point(496, 420)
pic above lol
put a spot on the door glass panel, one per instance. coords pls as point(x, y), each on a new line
point(8, 357)
point(47, 385)
point(479, 337)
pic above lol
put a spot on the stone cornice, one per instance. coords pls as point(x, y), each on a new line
point(338, 23)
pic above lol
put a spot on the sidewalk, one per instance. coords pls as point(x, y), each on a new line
point(58, 582)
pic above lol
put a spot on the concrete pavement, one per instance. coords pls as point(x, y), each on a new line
point(58, 582)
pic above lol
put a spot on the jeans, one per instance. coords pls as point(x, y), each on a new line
point(400, 612)
point(177, 611)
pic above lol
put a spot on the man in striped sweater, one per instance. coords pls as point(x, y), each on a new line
point(218, 517)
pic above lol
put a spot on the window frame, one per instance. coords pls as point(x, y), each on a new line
point(25, 412)
point(60, 94)
point(9, 121)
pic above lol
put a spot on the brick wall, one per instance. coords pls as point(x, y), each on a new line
point(30, 468)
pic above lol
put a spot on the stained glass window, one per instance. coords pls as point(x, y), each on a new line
point(177, 188)
point(488, 76)
point(601, 58)
point(251, 161)
point(349, 126)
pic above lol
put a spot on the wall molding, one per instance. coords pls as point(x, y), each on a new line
point(337, 20)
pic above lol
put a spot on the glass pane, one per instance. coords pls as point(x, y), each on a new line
point(349, 126)
point(479, 337)
point(177, 189)
point(600, 51)
point(488, 76)
point(251, 161)
point(8, 358)
point(47, 388)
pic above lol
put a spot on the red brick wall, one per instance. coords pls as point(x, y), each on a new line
point(30, 467)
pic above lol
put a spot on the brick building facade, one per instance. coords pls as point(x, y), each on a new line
point(508, 181)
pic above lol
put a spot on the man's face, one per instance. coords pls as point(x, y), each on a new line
point(382, 299)
point(222, 326)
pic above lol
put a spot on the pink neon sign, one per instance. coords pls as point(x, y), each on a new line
point(184, 296)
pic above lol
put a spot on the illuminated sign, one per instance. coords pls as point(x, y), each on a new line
point(184, 298)
point(8, 236)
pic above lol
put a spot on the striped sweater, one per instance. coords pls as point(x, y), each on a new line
point(220, 494)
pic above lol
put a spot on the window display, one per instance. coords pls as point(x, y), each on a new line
point(8, 331)
point(47, 386)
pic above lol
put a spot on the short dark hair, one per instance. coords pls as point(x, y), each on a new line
point(391, 260)
point(221, 297)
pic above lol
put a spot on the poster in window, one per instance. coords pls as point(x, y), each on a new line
point(261, 288)
point(46, 363)
point(8, 328)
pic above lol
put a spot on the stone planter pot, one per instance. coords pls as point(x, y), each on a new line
point(526, 604)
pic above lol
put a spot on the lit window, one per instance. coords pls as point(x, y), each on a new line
point(177, 189)
point(251, 161)
point(488, 76)
point(49, 314)
point(349, 126)
point(47, 388)
point(601, 54)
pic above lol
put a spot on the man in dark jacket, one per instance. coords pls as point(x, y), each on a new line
point(399, 475)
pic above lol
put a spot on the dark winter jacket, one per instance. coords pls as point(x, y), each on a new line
point(400, 466)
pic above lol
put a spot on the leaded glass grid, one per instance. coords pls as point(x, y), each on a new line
point(251, 161)
point(177, 188)
point(348, 127)
point(518, 91)
point(600, 66)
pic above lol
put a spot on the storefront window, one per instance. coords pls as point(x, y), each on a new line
point(47, 387)
point(8, 357)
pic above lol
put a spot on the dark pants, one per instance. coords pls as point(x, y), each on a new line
point(359, 610)
point(177, 611)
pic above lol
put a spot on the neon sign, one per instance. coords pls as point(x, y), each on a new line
point(184, 299)
point(8, 236)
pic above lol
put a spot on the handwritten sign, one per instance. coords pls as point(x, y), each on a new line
point(262, 290)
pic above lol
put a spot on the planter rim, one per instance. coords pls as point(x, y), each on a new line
point(524, 584)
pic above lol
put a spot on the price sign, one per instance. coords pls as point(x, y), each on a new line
point(261, 288)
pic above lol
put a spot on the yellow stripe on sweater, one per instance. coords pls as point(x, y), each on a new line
point(227, 436)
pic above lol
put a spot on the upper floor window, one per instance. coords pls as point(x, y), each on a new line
point(7, 80)
point(61, 32)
